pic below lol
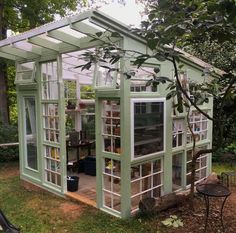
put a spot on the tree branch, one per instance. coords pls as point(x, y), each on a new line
point(186, 94)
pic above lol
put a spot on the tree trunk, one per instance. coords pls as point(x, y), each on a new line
point(4, 108)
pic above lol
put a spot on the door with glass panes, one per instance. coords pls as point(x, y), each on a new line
point(51, 128)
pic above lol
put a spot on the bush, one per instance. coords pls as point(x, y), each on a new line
point(9, 134)
point(231, 148)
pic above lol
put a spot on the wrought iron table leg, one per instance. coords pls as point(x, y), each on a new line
point(207, 211)
point(221, 214)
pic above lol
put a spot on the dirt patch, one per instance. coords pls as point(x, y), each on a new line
point(8, 170)
point(194, 222)
point(71, 210)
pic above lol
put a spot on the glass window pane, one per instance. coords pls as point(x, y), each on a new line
point(30, 130)
point(148, 128)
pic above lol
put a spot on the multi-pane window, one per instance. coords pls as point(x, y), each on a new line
point(140, 78)
point(86, 92)
point(88, 121)
point(106, 75)
point(146, 181)
point(178, 133)
point(50, 117)
point(199, 125)
point(25, 72)
point(70, 93)
point(52, 165)
point(51, 122)
point(201, 167)
point(148, 124)
point(49, 81)
point(111, 184)
point(111, 126)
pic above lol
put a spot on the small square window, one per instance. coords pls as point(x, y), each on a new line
point(25, 73)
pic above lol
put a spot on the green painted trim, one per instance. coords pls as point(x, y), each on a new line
point(62, 127)
point(99, 157)
point(125, 141)
point(25, 170)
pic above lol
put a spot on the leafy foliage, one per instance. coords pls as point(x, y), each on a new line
point(9, 134)
point(173, 221)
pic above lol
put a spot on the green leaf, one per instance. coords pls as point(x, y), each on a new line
point(156, 70)
point(151, 16)
point(152, 44)
point(99, 34)
point(115, 34)
point(86, 66)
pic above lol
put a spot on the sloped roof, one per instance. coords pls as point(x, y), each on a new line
point(70, 34)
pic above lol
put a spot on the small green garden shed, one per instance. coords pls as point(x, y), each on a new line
point(143, 146)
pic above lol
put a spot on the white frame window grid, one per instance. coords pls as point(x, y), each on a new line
point(109, 167)
point(199, 125)
point(22, 69)
point(51, 122)
point(198, 170)
point(52, 165)
point(178, 132)
point(141, 178)
point(50, 115)
point(49, 81)
point(147, 100)
point(110, 120)
point(139, 80)
point(92, 92)
point(98, 83)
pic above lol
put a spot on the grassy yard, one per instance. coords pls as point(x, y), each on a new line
point(219, 168)
point(46, 213)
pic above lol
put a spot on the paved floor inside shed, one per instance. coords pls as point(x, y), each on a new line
point(86, 189)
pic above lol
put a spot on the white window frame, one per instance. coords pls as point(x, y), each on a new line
point(138, 100)
point(111, 192)
point(95, 84)
point(161, 185)
point(197, 170)
point(19, 72)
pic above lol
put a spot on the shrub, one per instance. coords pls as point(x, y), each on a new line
point(9, 134)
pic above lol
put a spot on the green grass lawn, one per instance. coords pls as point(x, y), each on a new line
point(42, 213)
point(223, 167)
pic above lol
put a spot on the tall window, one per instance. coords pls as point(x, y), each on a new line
point(51, 132)
point(30, 132)
point(148, 127)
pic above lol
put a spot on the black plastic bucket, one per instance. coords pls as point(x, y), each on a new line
point(72, 183)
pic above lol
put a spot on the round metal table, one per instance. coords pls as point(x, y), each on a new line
point(214, 191)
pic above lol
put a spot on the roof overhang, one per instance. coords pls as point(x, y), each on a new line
point(63, 36)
